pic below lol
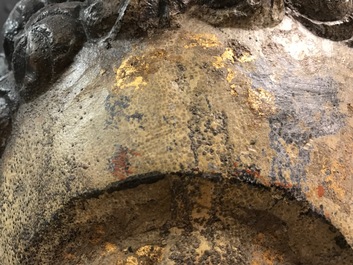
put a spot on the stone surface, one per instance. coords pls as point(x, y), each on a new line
point(189, 220)
point(5, 8)
point(271, 107)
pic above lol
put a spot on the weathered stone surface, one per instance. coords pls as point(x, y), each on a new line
point(269, 106)
point(189, 219)
point(5, 8)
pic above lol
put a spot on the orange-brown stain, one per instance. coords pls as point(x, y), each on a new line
point(283, 185)
point(121, 166)
point(256, 174)
point(320, 191)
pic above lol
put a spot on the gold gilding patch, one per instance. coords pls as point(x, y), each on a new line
point(245, 58)
point(228, 59)
point(233, 90)
point(131, 261)
point(228, 55)
point(203, 40)
point(261, 101)
point(231, 75)
point(230, 79)
point(110, 247)
point(152, 252)
point(134, 70)
point(220, 61)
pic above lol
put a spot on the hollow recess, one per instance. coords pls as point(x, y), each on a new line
point(189, 220)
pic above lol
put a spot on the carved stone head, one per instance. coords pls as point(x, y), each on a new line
point(177, 132)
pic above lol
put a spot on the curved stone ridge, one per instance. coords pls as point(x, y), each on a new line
point(187, 219)
point(327, 19)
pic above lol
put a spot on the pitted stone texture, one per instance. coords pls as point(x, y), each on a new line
point(189, 220)
point(5, 123)
point(270, 107)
